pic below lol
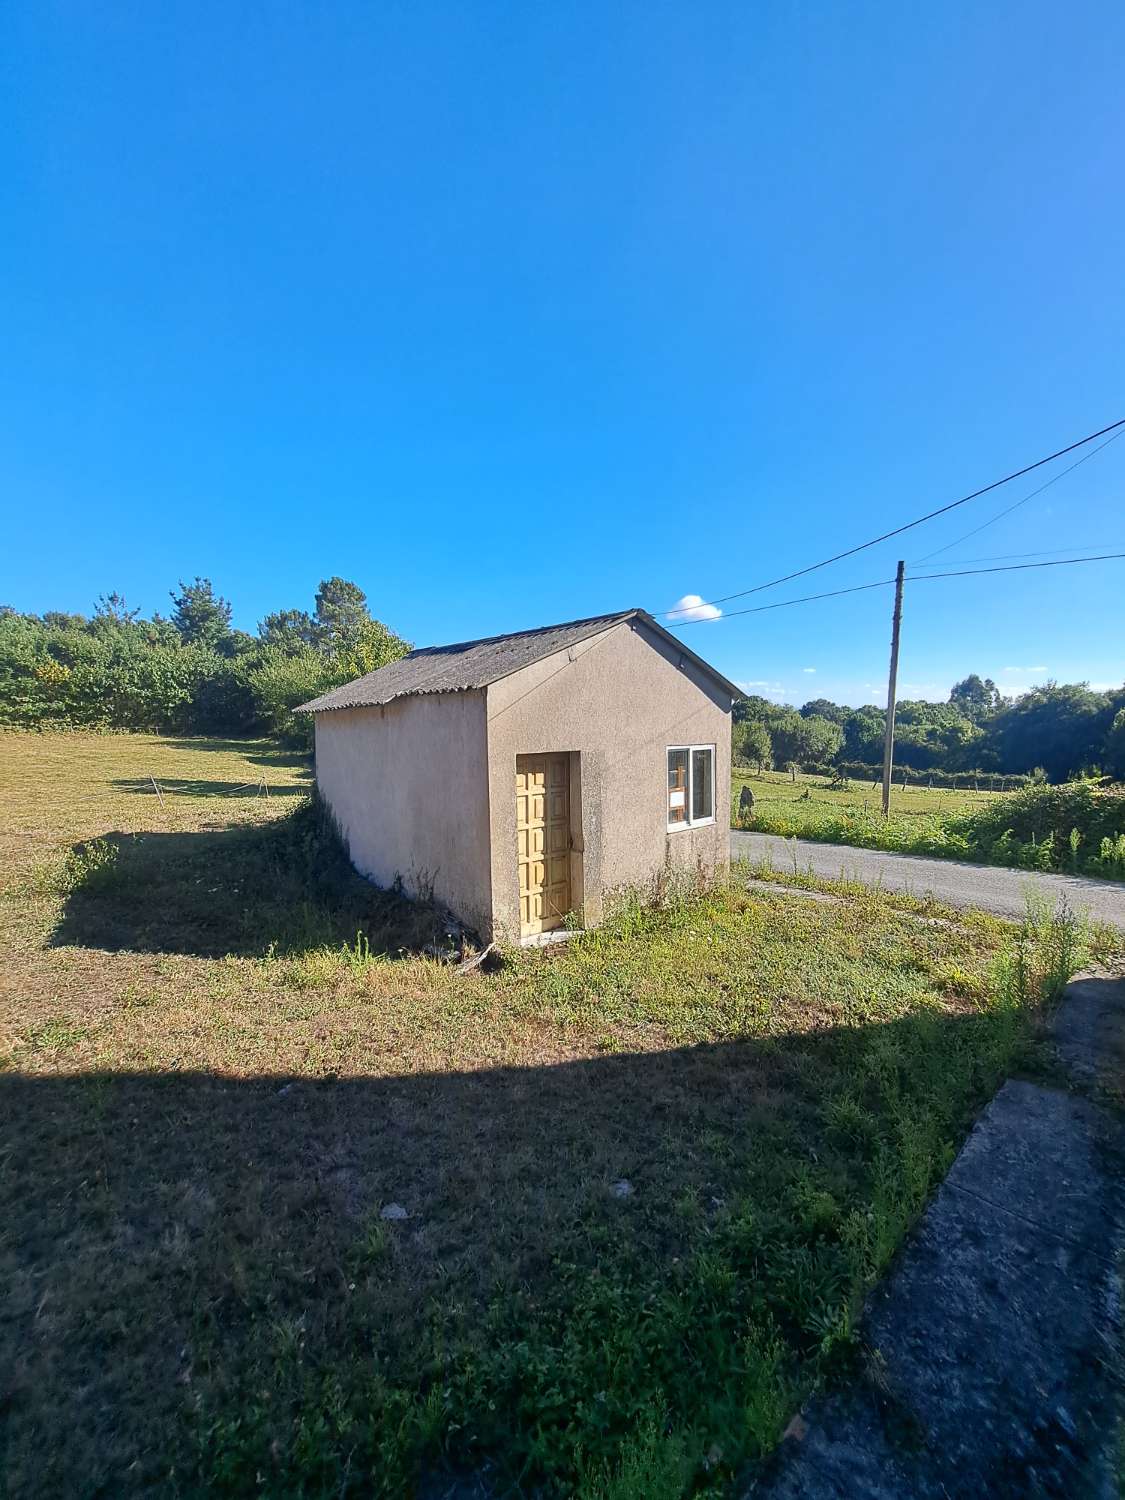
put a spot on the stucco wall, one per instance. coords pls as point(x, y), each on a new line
point(619, 700)
point(409, 786)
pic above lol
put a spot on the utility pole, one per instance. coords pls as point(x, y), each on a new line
point(892, 690)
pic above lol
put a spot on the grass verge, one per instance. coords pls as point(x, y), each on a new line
point(1079, 828)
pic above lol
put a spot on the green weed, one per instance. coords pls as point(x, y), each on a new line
point(91, 866)
point(653, 1464)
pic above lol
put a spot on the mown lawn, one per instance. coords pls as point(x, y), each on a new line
point(647, 1177)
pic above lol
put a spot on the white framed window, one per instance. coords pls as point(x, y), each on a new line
point(691, 786)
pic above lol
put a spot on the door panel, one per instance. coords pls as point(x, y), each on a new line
point(543, 840)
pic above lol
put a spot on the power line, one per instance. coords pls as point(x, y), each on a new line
point(1061, 562)
point(1013, 556)
point(883, 583)
point(758, 609)
point(1086, 457)
point(909, 526)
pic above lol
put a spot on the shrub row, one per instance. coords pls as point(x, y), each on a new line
point(141, 676)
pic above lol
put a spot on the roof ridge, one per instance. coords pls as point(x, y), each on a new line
point(511, 635)
point(465, 666)
point(462, 665)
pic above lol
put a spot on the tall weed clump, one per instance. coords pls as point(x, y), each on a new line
point(1052, 945)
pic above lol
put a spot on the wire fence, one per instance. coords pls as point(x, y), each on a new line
point(164, 789)
point(907, 781)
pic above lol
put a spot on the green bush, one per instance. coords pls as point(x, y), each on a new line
point(124, 677)
point(281, 682)
point(1048, 827)
point(193, 675)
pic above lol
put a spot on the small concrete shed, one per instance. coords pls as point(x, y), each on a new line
point(521, 779)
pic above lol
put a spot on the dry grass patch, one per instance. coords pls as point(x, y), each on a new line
point(212, 1090)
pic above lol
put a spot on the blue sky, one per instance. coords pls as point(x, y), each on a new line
point(517, 314)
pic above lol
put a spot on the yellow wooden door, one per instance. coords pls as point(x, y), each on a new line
point(543, 840)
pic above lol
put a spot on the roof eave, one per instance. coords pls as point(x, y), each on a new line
point(317, 706)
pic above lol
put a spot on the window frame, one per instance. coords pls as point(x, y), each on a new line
point(689, 791)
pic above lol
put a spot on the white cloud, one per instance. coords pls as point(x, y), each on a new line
point(808, 669)
point(1022, 671)
point(692, 607)
point(765, 688)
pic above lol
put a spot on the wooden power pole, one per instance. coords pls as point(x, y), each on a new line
point(892, 690)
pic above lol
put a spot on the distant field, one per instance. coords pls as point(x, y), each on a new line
point(774, 787)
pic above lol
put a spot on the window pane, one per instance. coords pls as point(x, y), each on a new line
point(702, 802)
point(677, 786)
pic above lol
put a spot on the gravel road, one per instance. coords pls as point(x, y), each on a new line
point(956, 884)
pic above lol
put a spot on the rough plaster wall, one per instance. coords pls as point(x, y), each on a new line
point(409, 786)
point(619, 700)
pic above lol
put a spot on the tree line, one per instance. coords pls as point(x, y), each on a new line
point(1062, 730)
point(187, 672)
point(190, 672)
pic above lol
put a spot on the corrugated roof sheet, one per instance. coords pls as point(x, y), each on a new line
point(465, 665)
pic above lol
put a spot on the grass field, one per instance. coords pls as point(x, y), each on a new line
point(646, 1177)
point(1078, 827)
point(921, 819)
point(777, 789)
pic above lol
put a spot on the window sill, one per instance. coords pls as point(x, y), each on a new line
point(687, 827)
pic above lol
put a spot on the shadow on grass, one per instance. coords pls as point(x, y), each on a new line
point(177, 786)
point(200, 1278)
point(258, 752)
point(284, 886)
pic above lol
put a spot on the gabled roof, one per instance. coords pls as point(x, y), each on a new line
point(476, 664)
